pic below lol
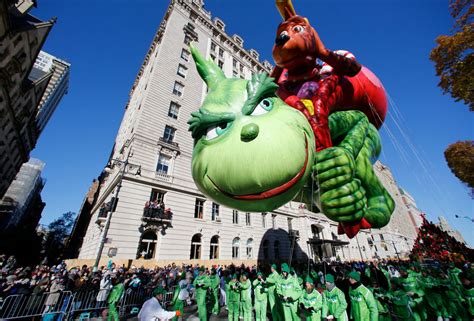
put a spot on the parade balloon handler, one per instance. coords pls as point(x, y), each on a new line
point(152, 309)
point(363, 305)
point(335, 302)
point(202, 283)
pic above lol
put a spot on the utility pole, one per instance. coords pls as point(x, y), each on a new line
point(113, 206)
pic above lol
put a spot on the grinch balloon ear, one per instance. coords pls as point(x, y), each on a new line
point(286, 9)
point(207, 69)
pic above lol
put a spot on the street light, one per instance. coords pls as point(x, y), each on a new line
point(114, 202)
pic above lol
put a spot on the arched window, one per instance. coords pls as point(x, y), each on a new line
point(265, 250)
point(235, 248)
point(249, 248)
point(316, 230)
point(196, 247)
point(214, 251)
point(276, 247)
point(147, 245)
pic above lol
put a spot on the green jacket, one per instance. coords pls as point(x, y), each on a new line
point(289, 288)
point(469, 294)
point(260, 290)
point(245, 291)
point(336, 304)
point(400, 304)
point(272, 281)
point(363, 305)
point(202, 283)
point(312, 303)
point(232, 291)
point(214, 280)
point(115, 294)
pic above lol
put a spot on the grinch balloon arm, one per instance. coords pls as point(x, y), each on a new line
point(350, 190)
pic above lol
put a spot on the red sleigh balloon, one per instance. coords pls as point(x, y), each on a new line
point(317, 90)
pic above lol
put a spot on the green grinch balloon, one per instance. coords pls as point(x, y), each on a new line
point(255, 153)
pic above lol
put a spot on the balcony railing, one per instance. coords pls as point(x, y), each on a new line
point(168, 141)
point(157, 215)
point(162, 176)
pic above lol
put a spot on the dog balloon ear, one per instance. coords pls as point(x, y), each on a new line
point(286, 9)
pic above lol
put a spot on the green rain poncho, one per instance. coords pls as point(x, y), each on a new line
point(202, 283)
point(401, 305)
point(214, 279)
point(336, 304)
point(272, 281)
point(233, 299)
point(289, 292)
point(311, 304)
point(363, 305)
point(112, 300)
point(246, 299)
point(261, 299)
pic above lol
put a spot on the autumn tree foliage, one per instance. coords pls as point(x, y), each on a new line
point(434, 243)
point(454, 54)
point(460, 158)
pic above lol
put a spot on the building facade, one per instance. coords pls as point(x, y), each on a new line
point(444, 225)
point(22, 90)
point(156, 213)
point(57, 86)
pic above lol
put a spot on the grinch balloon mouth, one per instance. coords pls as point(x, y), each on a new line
point(273, 191)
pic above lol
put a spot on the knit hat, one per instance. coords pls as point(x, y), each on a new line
point(259, 273)
point(354, 275)
point(285, 268)
point(309, 280)
point(159, 290)
point(329, 278)
point(274, 266)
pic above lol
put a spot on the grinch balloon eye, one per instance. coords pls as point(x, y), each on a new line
point(217, 130)
point(263, 107)
point(298, 28)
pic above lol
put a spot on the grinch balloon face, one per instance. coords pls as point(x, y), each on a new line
point(239, 132)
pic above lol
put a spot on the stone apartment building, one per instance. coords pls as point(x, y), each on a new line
point(151, 164)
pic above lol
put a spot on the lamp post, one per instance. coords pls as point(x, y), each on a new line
point(113, 205)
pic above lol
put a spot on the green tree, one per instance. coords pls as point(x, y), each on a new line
point(56, 236)
point(460, 158)
point(454, 56)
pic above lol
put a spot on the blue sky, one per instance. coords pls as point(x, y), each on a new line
point(106, 41)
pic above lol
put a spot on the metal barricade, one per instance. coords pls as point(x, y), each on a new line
point(85, 301)
point(134, 298)
point(23, 306)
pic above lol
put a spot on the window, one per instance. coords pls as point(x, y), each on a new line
point(235, 74)
point(221, 53)
point(147, 246)
point(185, 54)
point(213, 46)
point(157, 195)
point(274, 225)
point(317, 231)
point(178, 89)
point(221, 64)
point(195, 247)
point(235, 217)
point(249, 248)
point(290, 224)
point(182, 71)
point(264, 219)
point(265, 250)
point(276, 247)
point(168, 134)
point(199, 208)
point(215, 211)
point(214, 250)
point(247, 219)
point(187, 40)
point(234, 63)
point(174, 110)
point(163, 164)
point(235, 248)
point(381, 237)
